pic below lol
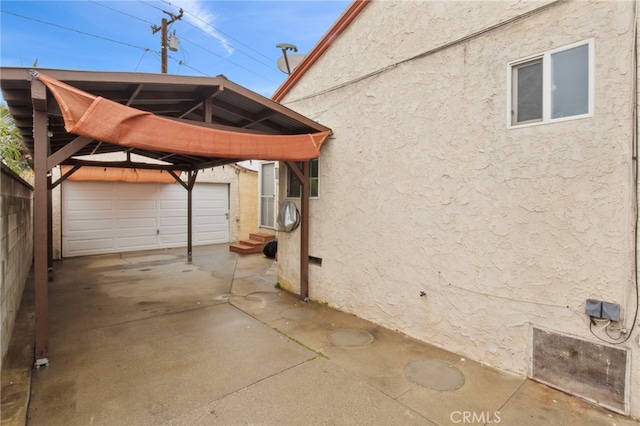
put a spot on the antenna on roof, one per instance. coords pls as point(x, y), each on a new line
point(286, 64)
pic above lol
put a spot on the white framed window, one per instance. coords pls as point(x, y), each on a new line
point(293, 184)
point(267, 176)
point(553, 86)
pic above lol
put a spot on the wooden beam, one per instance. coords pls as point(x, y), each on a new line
point(179, 180)
point(296, 170)
point(127, 165)
point(135, 94)
point(192, 179)
point(96, 148)
point(207, 108)
point(197, 104)
point(218, 126)
point(216, 163)
point(67, 151)
point(64, 177)
point(39, 97)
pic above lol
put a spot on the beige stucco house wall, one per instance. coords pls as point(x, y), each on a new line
point(426, 188)
point(243, 196)
point(247, 202)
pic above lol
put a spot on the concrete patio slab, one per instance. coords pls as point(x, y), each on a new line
point(314, 392)
point(536, 404)
point(150, 370)
point(149, 338)
point(485, 390)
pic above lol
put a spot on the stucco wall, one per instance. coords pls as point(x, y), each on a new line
point(16, 248)
point(424, 188)
point(247, 202)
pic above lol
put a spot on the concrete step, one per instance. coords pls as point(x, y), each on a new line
point(244, 248)
point(259, 236)
point(252, 242)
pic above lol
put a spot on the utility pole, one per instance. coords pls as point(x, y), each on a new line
point(163, 27)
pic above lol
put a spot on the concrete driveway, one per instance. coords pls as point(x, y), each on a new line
point(147, 338)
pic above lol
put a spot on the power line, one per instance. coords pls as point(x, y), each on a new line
point(150, 5)
point(189, 66)
point(268, 65)
point(74, 30)
point(230, 61)
point(141, 58)
point(205, 49)
point(180, 62)
point(221, 41)
point(144, 49)
point(221, 32)
point(119, 11)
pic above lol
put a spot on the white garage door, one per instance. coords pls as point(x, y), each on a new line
point(113, 217)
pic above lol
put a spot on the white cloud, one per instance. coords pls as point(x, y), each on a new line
point(197, 14)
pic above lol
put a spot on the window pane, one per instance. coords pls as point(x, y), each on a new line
point(267, 212)
point(268, 192)
point(293, 184)
point(570, 82)
point(294, 188)
point(529, 92)
point(313, 178)
point(268, 181)
point(313, 187)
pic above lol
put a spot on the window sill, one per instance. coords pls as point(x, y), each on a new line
point(555, 120)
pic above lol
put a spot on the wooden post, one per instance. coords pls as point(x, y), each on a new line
point(165, 55)
point(189, 219)
point(190, 184)
point(304, 233)
point(49, 224)
point(40, 222)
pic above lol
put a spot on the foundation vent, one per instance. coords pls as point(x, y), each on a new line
point(593, 371)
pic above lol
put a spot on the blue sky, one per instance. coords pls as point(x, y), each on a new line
point(234, 38)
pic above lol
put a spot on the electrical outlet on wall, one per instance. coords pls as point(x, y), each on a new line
point(611, 311)
point(600, 309)
point(593, 308)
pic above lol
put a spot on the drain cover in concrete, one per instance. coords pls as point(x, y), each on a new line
point(222, 297)
point(299, 314)
point(259, 296)
point(349, 337)
point(433, 374)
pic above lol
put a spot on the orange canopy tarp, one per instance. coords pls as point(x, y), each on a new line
point(119, 174)
point(99, 118)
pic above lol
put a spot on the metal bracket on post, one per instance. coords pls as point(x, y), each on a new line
point(42, 362)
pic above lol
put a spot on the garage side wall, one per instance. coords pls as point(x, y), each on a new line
point(425, 188)
point(16, 247)
point(247, 217)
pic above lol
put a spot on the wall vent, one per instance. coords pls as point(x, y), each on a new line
point(593, 371)
point(315, 260)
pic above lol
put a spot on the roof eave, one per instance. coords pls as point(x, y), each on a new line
point(318, 50)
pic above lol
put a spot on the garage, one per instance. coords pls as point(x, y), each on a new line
point(112, 217)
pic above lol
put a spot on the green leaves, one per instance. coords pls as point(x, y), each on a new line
point(12, 148)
